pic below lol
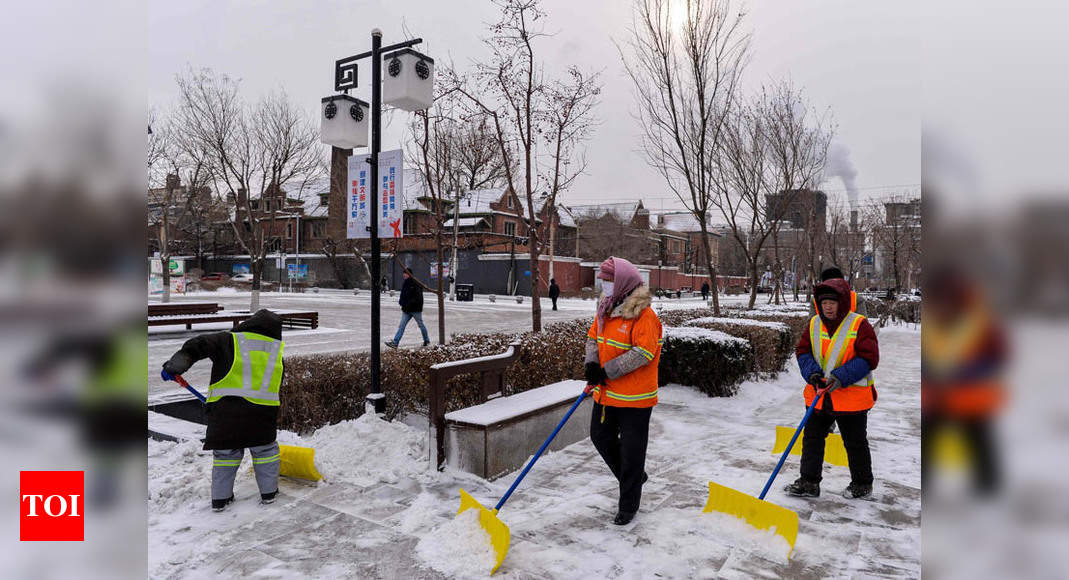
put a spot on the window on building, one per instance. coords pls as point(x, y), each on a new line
point(410, 225)
point(319, 229)
point(289, 230)
point(508, 201)
point(510, 228)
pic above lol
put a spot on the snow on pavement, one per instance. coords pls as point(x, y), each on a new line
point(381, 498)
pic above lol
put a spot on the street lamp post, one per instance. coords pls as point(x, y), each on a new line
point(345, 78)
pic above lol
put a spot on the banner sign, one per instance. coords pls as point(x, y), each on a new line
point(445, 271)
point(389, 192)
point(296, 272)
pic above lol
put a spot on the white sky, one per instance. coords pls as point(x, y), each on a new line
point(861, 59)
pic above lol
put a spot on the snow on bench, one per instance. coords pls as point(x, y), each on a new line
point(517, 406)
point(500, 435)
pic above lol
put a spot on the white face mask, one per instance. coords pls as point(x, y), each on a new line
point(606, 288)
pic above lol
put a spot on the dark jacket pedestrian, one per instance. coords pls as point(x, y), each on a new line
point(705, 290)
point(242, 400)
point(554, 292)
point(411, 296)
point(838, 351)
point(411, 302)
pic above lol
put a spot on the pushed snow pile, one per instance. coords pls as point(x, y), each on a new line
point(742, 536)
point(179, 476)
point(367, 450)
point(460, 548)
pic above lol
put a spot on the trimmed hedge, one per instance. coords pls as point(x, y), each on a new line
point(711, 361)
point(771, 341)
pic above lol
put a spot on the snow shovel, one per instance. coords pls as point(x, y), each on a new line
point(834, 450)
point(294, 461)
point(499, 532)
point(759, 513)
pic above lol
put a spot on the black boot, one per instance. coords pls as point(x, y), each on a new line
point(858, 491)
point(268, 497)
point(645, 477)
point(623, 518)
point(219, 505)
point(803, 488)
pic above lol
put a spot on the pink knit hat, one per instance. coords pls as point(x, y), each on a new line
point(607, 271)
point(626, 278)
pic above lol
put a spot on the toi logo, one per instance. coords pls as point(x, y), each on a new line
point(51, 506)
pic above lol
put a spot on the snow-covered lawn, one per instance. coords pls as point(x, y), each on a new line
point(381, 513)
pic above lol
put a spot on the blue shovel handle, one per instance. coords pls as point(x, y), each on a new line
point(178, 379)
point(794, 438)
point(531, 463)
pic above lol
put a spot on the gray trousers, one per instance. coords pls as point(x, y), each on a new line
point(265, 464)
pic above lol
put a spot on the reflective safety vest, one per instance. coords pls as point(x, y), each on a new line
point(256, 373)
point(622, 335)
point(947, 348)
point(124, 376)
point(831, 352)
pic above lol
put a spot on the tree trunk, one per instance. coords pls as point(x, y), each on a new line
point(754, 280)
point(441, 290)
point(536, 291)
point(257, 273)
point(711, 269)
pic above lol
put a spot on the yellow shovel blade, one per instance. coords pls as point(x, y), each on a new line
point(951, 451)
point(758, 513)
point(298, 462)
point(499, 532)
point(834, 451)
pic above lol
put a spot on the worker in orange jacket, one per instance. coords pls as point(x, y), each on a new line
point(623, 351)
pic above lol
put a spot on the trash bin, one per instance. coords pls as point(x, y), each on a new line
point(465, 292)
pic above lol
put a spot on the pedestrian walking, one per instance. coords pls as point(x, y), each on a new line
point(411, 302)
point(839, 352)
point(623, 350)
point(554, 292)
point(705, 290)
point(242, 401)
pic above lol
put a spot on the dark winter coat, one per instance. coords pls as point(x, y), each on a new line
point(705, 288)
point(866, 348)
point(554, 290)
point(411, 296)
point(233, 422)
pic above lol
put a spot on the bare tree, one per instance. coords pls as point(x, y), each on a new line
point(772, 149)
point(510, 91)
point(686, 70)
point(252, 153)
point(896, 237)
point(569, 122)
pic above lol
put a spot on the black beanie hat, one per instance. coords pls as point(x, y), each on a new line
point(830, 273)
point(825, 293)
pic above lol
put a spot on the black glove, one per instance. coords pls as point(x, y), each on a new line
point(816, 379)
point(595, 375)
point(833, 383)
point(178, 364)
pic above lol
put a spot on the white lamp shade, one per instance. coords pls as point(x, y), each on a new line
point(408, 80)
point(344, 122)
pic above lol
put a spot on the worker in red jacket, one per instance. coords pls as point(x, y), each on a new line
point(839, 352)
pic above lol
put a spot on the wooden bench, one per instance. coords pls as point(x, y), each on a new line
point(500, 435)
point(182, 308)
point(291, 318)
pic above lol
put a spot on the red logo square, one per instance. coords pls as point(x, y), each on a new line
point(51, 506)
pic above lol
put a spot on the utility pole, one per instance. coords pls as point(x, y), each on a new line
point(344, 79)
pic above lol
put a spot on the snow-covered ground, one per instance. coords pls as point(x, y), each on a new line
point(382, 513)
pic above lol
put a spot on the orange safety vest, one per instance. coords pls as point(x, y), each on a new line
point(831, 352)
point(620, 335)
point(947, 348)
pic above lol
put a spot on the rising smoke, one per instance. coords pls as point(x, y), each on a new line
point(839, 165)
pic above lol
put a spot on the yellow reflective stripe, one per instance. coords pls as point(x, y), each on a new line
point(645, 353)
point(617, 344)
point(227, 462)
point(271, 459)
point(640, 397)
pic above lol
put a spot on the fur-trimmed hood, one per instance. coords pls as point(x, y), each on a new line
point(634, 304)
